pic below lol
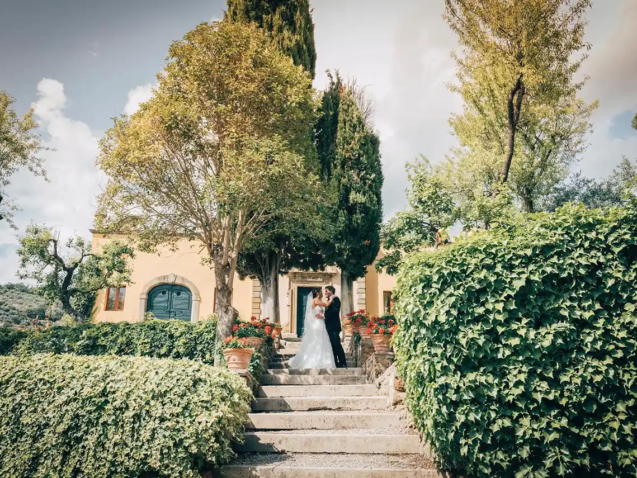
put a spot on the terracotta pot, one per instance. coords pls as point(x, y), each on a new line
point(363, 331)
point(277, 331)
point(254, 342)
point(381, 343)
point(238, 359)
point(348, 329)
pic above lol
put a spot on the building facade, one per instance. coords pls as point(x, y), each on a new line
point(174, 284)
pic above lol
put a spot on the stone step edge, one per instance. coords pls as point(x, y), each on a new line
point(279, 471)
point(332, 443)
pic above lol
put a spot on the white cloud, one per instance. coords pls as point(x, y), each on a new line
point(138, 95)
point(67, 202)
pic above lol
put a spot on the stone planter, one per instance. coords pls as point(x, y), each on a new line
point(348, 330)
point(238, 359)
point(381, 343)
point(399, 384)
point(363, 331)
point(254, 342)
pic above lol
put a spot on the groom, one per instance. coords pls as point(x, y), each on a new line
point(333, 326)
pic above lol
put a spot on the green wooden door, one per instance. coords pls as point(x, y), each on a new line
point(170, 302)
point(301, 302)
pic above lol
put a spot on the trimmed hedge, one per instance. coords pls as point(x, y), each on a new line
point(156, 338)
point(78, 417)
point(519, 346)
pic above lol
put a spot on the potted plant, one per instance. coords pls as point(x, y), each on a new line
point(237, 353)
point(381, 330)
point(253, 332)
point(347, 325)
point(360, 319)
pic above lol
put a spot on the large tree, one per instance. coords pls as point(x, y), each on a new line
point(635, 121)
point(289, 21)
point(71, 272)
point(216, 154)
point(20, 146)
point(285, 243)
point(349, 150)
point(594, 193)
point(516, 74)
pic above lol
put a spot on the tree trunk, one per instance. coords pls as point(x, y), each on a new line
point(226, 314)
point(527, 204)
point(347, 293)
point(514, 106)
point(270, 288)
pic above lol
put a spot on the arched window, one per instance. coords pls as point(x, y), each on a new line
point(170, 301)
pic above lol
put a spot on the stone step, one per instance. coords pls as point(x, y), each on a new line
point(318, 465)
point(323, 442)
point(315, 371)
point(318, 403)
point(270, 391)
point(324, 420)
point(285, 365)
point(287, 354)
point(281, 379)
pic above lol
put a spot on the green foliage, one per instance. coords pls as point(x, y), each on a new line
point(594, 193)
point(350, 157)
point(74, 417)
point(290, 23)
point(522, 122)
point(159, 338)
point(430, 209)
point(19, 148)
point(19, 304)
point(216, 153)
point(72, 277)
point(9, 338)
point(519, 346)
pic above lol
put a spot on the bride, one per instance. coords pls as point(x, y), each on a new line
point(316, 349)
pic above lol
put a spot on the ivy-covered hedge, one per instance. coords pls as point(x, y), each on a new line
point(156, 338)
point(519, 346)
point(82, 417)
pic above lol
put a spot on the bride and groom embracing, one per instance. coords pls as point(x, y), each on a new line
point(321, 345)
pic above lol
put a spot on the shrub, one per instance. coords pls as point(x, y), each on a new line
point(9, 338)
point(74, 417)
point(519, 346)
point(158, 338)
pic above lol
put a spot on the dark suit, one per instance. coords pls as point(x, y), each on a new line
point(333, 326)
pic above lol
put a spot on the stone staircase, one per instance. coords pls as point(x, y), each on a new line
point(325, 424)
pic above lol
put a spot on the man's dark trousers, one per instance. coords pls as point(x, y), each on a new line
point(337, 348)
point(333, 326)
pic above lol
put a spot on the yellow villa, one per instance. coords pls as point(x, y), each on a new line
point(175, 284)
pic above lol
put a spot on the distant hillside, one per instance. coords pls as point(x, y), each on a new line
point(19, 304)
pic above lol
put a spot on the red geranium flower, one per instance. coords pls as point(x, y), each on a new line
point(235, 327)
point(268, 329)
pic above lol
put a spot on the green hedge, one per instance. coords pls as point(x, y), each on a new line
point(83, 417)
point(156, 338)
point(519, 346)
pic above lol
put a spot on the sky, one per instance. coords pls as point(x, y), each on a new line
point(80, 63)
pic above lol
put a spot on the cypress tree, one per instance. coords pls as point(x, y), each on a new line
point(350, 157)
point(288, 243)
point(290, 22)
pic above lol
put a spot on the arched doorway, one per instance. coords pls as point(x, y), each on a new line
point(170, 301)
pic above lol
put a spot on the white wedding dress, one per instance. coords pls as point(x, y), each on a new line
point(316, 349)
